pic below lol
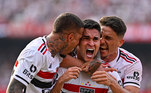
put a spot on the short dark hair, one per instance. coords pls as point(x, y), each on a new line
point(91, 24)
point(67, 21)
point(114, 22)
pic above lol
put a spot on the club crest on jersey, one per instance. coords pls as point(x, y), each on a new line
point(86, 90)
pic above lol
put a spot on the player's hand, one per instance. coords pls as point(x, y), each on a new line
point(91, 67)
point(71, 73)
point(102, 77)
point(85, 66)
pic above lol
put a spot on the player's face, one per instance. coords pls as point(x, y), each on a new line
point(109, 43)
point(89, 44)
point(77, 38)
point(73, 41)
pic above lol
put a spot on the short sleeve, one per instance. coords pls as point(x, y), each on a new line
point(28, 65)
point(61, 71)
point(133, 75)
point(116, 75)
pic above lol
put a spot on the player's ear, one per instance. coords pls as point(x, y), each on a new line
point(121, 42)
point(70, 37)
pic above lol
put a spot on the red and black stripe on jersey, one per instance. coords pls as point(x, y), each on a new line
point(42, 48)
point(45, 75)
point(129, 82)
point(77, 88)
point(127, 58)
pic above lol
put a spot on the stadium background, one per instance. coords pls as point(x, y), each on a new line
point(23, 20)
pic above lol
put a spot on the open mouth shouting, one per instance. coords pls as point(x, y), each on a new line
point(103, 51)
point(90, 53)
point(103, 48)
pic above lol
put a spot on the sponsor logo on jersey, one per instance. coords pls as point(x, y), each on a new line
point(135, 76)
point(86, 90)
point(27, 73)
point(33, 68)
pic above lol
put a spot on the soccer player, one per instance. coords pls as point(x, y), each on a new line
point(74, 81)
point(35, 68)
point(128, 65)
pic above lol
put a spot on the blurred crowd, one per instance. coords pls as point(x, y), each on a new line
point(40, 11)
point(32, 18)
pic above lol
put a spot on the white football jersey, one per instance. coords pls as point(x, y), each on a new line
point(129, 68)
point(36, 68)
point(84, 84)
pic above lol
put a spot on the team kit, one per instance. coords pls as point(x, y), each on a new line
point(38, 70)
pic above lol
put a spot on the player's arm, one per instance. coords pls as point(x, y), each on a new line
point(133, 84)
point(71, 73)
point(116, 88)
point(130, 85)
point(102, 77)
point(70, 61)
point(132, 89)
point(15, 86)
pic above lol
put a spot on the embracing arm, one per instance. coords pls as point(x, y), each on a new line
point(116, 88)
point(132, 89)
point(15, 86)
point(70, 61)
point(135, 70)
point(58, 86)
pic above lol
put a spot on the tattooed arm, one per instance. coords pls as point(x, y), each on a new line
point(15, 86)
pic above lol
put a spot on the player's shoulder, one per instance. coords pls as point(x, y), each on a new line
point(35, 47)
point(128, 56)
point(35, 43)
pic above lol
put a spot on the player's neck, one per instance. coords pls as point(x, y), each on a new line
point(110, 57)
point(79, 56)
point(53, 44)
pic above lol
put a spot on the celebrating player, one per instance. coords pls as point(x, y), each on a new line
point(74, 81)
point(35, 68)
point(129, 66)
